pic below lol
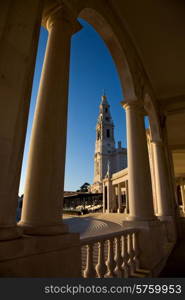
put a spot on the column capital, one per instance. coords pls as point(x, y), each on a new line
point(157, 142)
point(61, 15)
point(134, 105)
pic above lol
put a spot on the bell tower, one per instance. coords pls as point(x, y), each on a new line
point(105, 143)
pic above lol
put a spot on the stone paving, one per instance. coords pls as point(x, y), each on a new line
point(94, 224)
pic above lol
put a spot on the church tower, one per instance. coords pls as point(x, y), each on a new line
point(107, 157)
point(105, 144)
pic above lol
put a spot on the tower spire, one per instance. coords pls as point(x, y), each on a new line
point(104, 98)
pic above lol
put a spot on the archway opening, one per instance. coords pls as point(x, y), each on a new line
point(92, 73)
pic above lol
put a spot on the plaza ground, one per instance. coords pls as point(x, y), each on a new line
point(94, 224)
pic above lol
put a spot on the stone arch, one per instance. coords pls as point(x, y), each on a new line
point(101, 25)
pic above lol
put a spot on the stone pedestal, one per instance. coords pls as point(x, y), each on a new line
point(152, 243)
point(35, 256)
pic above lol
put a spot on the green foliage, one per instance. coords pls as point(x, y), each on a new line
point(84, 187)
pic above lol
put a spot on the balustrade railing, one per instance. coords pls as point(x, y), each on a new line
point(111, 255)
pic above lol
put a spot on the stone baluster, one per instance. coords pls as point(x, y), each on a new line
point(125, 256)
point(110, 260)
point(89, 271)
point(101, 266)
point(131, 253)
point(136, 250)
point(118, 259)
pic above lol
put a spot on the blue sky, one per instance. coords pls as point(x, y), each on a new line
point(91, 70)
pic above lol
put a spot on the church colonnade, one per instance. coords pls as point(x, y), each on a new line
point(147, 182)
point(42, 207)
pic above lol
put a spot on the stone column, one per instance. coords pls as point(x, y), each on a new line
point(42, 205)
point(114, 199)
point(182, 188)
point(20, 25)
point(127, 197)
point(119, 197)
point(152, 170)
point(163, 194)
point(104, 197)
point(109, 196)
point(139, 180)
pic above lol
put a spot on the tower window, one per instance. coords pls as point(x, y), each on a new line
point(108, 133)
point(106, 109)
point(98, 135)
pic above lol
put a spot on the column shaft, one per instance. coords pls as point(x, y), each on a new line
point(152, 171)
point(182, 187)
point(163, 194)
point(109, 196)
point(139, 180)
point(127, 196)
point(119, 197)
point(19, 41)
point(42, 205)
point(104, 197)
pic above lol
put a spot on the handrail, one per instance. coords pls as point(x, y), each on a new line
point(104, 237)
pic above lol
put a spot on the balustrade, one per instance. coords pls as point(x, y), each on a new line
point(111, 255)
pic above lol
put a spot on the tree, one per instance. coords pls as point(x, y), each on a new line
point(84, 187)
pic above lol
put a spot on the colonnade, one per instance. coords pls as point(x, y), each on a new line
point(140, 187)
point(117, 196)
point(42, 205)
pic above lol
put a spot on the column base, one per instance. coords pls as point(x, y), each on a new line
point(140, 219)
point(48, 229)
point(165, 218)
point(10, 232)
point(170, 227)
